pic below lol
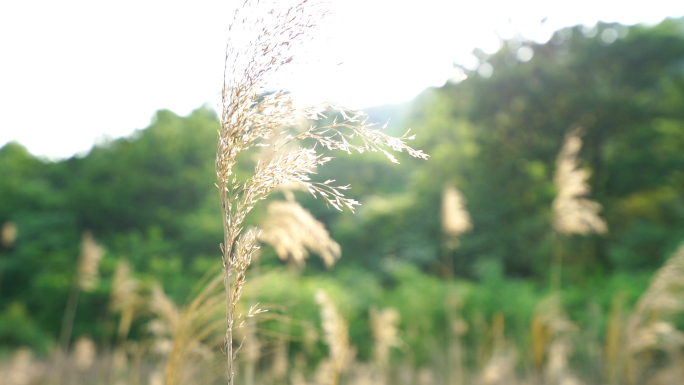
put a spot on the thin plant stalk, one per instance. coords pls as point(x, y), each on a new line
point(68, 319)
point(573, 212)
point(557, 265)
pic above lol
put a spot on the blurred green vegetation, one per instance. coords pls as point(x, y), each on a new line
point(150, 198)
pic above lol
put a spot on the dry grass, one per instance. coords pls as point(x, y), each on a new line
point(188, 338)
point(455, 221)
point(125, 297)
point(573, 212)
point(84, 353)
point(22, 370)
point(384, 325)
point(455, 217)
point(86, 280)
point(185, 343)
point(650, 328)
point(292, 231)
point(91, 255)
point(336, 336)
point(8, 234)
point(264, 38)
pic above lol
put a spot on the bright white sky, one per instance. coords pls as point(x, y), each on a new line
point(74, 71)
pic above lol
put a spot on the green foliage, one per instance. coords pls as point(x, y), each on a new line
point(17, 328)
point(150, 199)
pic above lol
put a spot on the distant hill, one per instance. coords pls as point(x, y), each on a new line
point(396, 114)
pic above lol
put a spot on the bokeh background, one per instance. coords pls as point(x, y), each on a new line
point(467, 268)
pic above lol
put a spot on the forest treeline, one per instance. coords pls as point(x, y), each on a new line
point(495, 136)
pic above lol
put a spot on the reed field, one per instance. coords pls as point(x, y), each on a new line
point(532, 234)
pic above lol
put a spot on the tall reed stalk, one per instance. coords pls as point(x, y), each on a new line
point(266, 36)
point(86, 280)
point(573, 211)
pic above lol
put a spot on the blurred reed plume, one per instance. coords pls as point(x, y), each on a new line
point(91, 255)
point(552, 333)
point(384, 325)
point(86, 280)
point(455, 221)
point(266, 36)
point(125, 297)
point(455, 217)
point(84, 353)
point(651, 328)
point(8, 234)
point(22, 370)
point(189, 337)
point(548, 323)
point(573, 212)
point(336, 336)
point(500, 366)
point(292, 230)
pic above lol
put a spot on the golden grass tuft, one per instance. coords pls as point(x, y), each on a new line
point(8, 234)
point(125, 297)
point(336, 336)
point(188, 337)
point(384, 325)
point(650, 327)
point(551, 334)
point(91, 255)
point(573, 212)
point(22, 370)
point(455, 217)
point(84, 353)
point(292, 231)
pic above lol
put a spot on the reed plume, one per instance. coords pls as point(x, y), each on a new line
point(292, 231)
point(455, 217)
point(125, 297)
point(651, 326)
point(8, 234)
point(500, 367)
point(23, 369)
point(336, 336)
point(266, 36)
point(455, 222)
point(84, 353)
point(189, 336)
point(86, 280)
point(552, 333)
point(91, 255)
point(385, 333)
point(574, 213)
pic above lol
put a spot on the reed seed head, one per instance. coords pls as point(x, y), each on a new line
point(91, 255)
point(8, 234)
point(573, 212)
point(84, 353)
point(455, 217)
point(124, 287)
point(335, 334)
point(650, 325)
point(384, 328)
point(293, 231)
